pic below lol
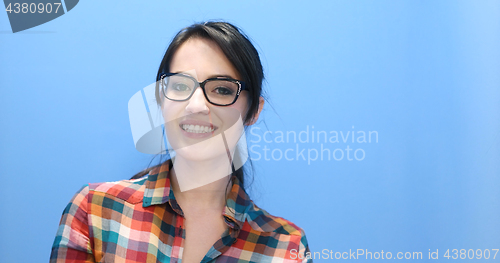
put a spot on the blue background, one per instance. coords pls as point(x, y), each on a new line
point(424, 74)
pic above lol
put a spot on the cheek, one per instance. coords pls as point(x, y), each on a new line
point(241, 104)
point(172, 110)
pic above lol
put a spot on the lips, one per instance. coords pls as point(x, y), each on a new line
point(197, 127)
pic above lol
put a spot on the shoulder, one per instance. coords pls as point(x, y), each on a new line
point(130, 191)
point(275, 232)
point(260, 220)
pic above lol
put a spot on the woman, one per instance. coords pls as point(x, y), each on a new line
point(194, 207)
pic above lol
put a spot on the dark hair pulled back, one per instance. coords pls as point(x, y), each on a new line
point(239, 51)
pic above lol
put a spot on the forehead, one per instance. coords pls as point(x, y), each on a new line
point(203, 57)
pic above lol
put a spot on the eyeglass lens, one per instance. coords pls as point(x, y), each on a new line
point(178, 87)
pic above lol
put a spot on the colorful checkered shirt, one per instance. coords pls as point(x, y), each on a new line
point(140, 221)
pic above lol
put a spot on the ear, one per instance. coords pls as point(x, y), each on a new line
point(256, 116)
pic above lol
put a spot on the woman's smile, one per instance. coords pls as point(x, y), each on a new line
point(195, 129)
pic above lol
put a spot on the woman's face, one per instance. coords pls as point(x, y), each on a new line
point(193, 126)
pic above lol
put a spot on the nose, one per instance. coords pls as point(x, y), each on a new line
point(197, 103)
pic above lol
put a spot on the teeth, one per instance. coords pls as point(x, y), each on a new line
point(197, 128)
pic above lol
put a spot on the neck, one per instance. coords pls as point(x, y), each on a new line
point(200, 184)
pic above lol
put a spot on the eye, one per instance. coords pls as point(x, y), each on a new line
point(180, 87)
point(221, 90)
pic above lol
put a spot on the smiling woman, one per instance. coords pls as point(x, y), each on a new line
point(193, 207)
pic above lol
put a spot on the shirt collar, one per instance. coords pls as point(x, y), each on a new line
point(158, 188)
point(158, 191)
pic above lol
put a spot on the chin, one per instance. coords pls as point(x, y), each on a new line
point(203, 151)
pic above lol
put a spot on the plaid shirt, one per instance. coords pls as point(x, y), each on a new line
point(140, 221)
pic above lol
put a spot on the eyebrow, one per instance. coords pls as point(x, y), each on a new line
point(221, 76)
point(209, 77)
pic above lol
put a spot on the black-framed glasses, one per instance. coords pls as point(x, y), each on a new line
point(218, 91)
